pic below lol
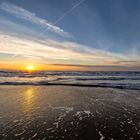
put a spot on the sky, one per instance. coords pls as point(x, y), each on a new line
point(70, 34)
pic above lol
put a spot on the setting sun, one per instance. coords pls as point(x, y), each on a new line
point(30, 68)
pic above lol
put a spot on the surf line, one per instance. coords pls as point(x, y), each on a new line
point(65, 84)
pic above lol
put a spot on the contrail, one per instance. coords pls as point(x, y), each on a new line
point(60, 18)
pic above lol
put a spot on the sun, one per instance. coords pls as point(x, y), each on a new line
point(30, 68)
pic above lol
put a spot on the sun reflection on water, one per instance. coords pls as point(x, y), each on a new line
point(29, 95)
point(29, 101)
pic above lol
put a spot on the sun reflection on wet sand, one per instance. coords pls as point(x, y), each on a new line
point(29, 100)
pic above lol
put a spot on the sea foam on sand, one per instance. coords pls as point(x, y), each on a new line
point(70, 113)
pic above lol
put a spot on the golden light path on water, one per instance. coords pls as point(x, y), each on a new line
point(29, 101)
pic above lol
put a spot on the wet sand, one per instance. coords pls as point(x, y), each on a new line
point(69, 113)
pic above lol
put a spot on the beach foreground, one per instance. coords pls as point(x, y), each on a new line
point(69, 113)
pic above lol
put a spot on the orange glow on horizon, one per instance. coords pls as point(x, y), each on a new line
point(31, 67)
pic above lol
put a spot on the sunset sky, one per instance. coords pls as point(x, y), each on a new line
point(70, 34)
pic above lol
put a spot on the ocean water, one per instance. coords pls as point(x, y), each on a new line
point(74, 110)
point(123, 80)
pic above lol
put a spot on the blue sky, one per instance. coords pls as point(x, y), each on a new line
point(72, 32)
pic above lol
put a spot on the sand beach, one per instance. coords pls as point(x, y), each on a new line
point(69, 113)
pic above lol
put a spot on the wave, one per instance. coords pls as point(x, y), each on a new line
point(121, 80)
point(110, 78)
point(100, 85)
point(62, 73)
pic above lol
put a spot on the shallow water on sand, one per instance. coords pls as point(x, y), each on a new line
point(70, 113)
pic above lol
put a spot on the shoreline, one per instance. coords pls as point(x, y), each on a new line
point(71, 85)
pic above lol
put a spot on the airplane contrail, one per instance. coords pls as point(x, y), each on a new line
point(60, 18)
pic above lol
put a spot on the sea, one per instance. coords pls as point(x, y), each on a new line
point(75, 105)
point(122, 80)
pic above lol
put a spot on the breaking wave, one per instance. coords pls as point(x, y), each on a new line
point(122, 80)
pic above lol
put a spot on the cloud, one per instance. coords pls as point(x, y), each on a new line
point(12, 28)
point(62, 52)
point(24, 14)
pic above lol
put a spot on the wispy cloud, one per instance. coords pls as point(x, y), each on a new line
point(24, 14)
point(56, 52)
